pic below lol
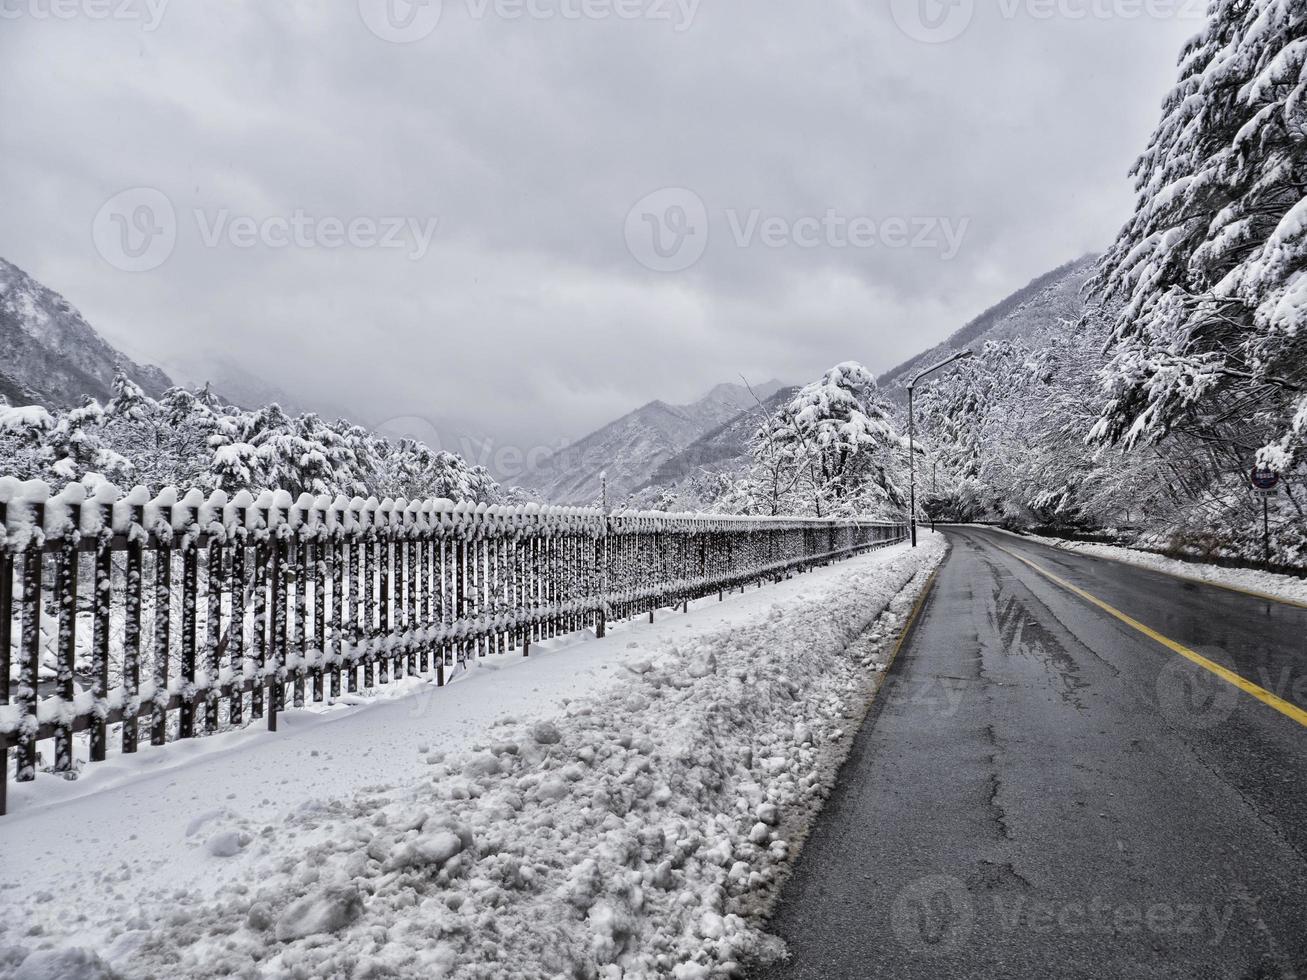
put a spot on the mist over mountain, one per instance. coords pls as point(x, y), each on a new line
point(1051, 299)
point(631, 449)
point(723, 448)
point(237, 384)
point(55, 358)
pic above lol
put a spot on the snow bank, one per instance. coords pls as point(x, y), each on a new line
point(1249, 579)
point(1285, 587)
point(639, 832)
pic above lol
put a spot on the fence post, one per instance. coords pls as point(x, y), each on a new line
point(368, 616)
point(299, 644)
point(190, 597)
point(6, 632)
point(522, 576)
point(352, 598)
point(654, 566)
point(381, 615)
point(531, 583)
point(477, 581)
point(445, 613)
point(236, 628)
point(162, 637)
point(65, 594)
point(335, 557)
point(432, 589)
point(259, 634)
point(30, 647)
point(282, 568)
point(100, 641)
point(601, 580)
point(412, 562)
point(213, 628)
point(548, 581)
point(460, 586)
point(320, 550)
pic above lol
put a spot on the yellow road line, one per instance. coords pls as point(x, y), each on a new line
point(1284, 707)
point(912, 617)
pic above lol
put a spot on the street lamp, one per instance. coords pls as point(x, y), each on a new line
point(912, 436)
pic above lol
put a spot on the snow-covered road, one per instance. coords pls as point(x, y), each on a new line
point(608, 808)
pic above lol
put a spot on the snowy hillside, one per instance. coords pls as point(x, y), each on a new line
point(721, 449)
point(1053, 298)
point(53, 357)
point(631, 449)
point(1036, 313)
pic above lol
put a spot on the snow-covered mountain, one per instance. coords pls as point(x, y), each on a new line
point(722, 448)
point(52, 356)
point(632, 448)
point(1052, 298)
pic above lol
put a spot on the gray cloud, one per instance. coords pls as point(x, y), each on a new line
point(530, 141)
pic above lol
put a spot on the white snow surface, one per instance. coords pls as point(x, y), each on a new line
point(606, 809)
point(1285, 587)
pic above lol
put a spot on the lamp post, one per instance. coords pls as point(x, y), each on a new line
point(912, 436)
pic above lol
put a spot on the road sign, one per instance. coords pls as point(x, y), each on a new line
point(1265, 483)
point(1265, 480)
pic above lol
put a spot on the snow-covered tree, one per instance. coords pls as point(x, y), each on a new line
point(832, 449)
point(23, 441)
point(166, 441)
point(191, 439)
point(1211, 272)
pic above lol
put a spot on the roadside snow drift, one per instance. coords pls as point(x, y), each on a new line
point(1283, 587)
point(638, 834)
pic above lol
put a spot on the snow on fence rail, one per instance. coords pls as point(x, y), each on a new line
point(177, 615)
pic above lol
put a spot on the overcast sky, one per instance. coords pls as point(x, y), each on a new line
point(851, 179)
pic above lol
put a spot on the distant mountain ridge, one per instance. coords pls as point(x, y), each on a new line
point(630, 449)
point(1054, 295)
point(52, 356)
point(723, 447)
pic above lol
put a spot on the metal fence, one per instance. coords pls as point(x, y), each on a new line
point(178, 616)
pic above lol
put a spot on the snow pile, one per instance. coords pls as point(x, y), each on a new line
point(1283, 587)
point(62, 964)
point(641, 833)
point(1248, 579)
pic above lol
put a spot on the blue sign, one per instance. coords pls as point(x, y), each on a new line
point(1265, 479)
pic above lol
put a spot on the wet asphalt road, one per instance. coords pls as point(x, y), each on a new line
point(1042, 791)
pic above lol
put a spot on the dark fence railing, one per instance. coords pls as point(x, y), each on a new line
point(177, 616)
